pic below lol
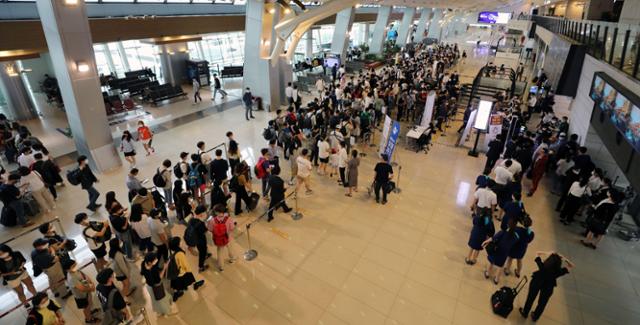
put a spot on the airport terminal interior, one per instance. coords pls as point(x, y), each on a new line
point(319, 162)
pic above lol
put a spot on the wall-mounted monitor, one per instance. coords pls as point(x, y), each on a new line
point(619, 105)
point(494, 17)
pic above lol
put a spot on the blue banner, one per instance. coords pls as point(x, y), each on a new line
point(393, 139)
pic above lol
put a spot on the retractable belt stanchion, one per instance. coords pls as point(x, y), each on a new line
point(251, 253)
point(296, 215)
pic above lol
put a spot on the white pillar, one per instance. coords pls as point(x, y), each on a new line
point(434, 25)
point(344, 22)
point(366, 33)
point(405, 26)
point(309, 43)
point(12, 86)
point(630, 12)
point(66, 28)
point(425, 14)
point(380, 30)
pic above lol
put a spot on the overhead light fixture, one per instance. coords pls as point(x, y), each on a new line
point(272, 11)
point(11, 70)
point(287, 11)
point(82, 66)
point(70, 2)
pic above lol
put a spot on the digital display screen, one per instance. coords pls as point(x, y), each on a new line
point(597, 90)
point(482, 118)
point(494, 17)
point(624, 114)
point(330, 62)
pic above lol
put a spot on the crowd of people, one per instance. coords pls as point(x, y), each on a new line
point(138, 247)
point(517, 154)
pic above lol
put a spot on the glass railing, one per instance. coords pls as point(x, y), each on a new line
point(614, 43)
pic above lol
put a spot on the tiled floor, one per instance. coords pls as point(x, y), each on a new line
point(350, 261)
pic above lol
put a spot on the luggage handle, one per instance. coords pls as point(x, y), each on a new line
point(521, 284)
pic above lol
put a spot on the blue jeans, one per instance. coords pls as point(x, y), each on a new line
point(18, 208)
point(248, 113)
point(265, 186)
point(125, 238)
point(93, 197)
point(168, 195)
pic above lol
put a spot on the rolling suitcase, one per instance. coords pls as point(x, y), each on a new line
point(254, 198)
point(502, 300)
point(31, 207)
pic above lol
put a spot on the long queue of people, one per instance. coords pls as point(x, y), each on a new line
point(582, 187)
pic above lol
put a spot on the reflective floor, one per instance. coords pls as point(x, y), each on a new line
point(351, 261)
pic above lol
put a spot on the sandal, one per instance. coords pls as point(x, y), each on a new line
point(495, 280)
point(468, 261)
point(517, 273)
point(486, 275)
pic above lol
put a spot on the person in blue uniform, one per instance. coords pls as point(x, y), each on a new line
point(497, 254)
point(520, 248)
point(513, 210)
point(543, 281)
point(482, 229)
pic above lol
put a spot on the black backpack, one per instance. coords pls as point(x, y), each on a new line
point(158, 180)
point(73, 176)
point(177, 170)
point(190, 235)
point(233, 184)
point(97, 226)
point(172, 269)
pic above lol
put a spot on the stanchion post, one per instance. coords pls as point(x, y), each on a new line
point(397, 189)
point(251, 253)
point(296, 215)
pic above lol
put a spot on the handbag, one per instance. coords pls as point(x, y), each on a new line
point(158, 292)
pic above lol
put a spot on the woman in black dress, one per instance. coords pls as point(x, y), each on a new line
point(604, 213)
point(543, 281)
point(482, 229)
point(154, 272)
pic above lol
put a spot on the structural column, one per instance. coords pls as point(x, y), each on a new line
point(20, 106)
point(344, 22)
point(405, 26)
point(173, 60)
point(66, 28)
point(434, 25)
point(309, 43)
point(380, 30)
point(366, 33)
point(266, 80)
point(630, 13)
point(425, 14)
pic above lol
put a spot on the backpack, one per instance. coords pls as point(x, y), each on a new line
point(267, 134)
point(177, 170)
point(307, 123)
point(98, 227)
point(195, 179)
point(190, 235)
point(219, 231)
point(110, 315)
point(158, 180)
point(172, 268)
point(259, 169)
point(73, 176)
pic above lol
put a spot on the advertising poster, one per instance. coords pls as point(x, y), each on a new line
point(467, 129)
point(495, 128)
point(385, 133)
point(393, 139)
point(428, 109)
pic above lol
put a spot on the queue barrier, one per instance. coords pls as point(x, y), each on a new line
point(252, 253)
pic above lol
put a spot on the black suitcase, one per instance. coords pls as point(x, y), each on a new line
point(502, 300)
point(31, 206)
point(254, 198)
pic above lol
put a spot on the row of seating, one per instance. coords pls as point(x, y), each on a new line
point(133, 85)
point(116, 106)
point(232, 72)
point(158, 93)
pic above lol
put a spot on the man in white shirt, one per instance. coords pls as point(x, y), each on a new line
point(304, 171)
point(288, 92)
point(503, 175)
point(515, 168)
point(324, 149)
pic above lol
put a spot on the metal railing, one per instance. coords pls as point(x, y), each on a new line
point(614, 43)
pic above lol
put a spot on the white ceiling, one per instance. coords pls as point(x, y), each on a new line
point(453, 4)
